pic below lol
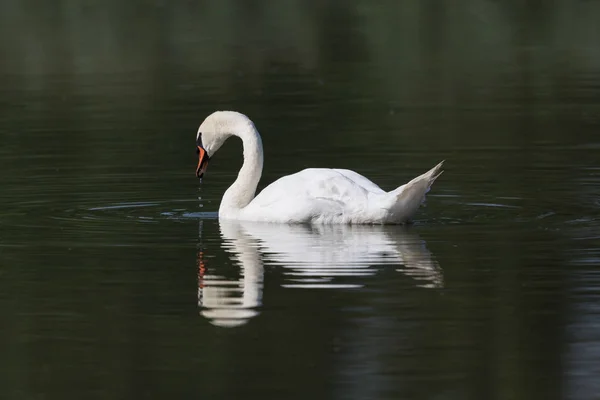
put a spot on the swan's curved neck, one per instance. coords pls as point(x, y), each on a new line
point(242, 191)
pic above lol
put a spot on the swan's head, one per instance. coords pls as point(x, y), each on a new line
point(213, 132)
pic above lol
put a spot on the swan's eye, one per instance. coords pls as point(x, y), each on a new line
point(197, 150)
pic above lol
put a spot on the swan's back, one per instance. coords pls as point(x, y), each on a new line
point(360, 180)
point(319, 195)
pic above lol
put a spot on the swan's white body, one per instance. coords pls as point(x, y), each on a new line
point(313, 195)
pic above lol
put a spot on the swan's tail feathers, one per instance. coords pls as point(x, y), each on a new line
point(409, 197)
point(430, 176)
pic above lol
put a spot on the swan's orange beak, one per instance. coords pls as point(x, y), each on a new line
point(203, 159)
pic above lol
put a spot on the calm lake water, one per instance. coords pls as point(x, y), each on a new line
point(117, 280)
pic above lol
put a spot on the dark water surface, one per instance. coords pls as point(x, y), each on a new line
point(117, 280)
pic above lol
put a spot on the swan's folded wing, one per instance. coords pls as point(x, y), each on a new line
point(311, 193)
point(360, 180)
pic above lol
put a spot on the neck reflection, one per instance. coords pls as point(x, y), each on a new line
point(230, 302)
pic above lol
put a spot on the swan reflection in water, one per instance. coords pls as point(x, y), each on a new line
point(323, 257)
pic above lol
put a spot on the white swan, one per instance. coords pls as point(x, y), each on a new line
point(313, 195)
